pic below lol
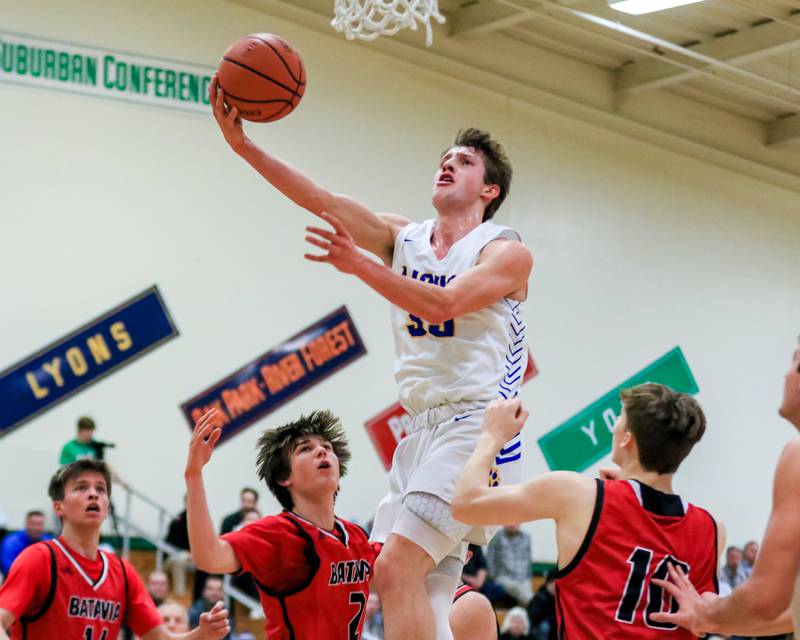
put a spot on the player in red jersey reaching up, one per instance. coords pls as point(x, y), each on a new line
point(769, 601)
point(311, 568)
point(69, 589)
point(613, 536)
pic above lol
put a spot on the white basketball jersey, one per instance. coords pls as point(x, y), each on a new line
point(474, 358)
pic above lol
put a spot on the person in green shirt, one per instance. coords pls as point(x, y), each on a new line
point(82, 446)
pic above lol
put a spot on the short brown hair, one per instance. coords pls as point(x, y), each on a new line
point(498, 166)
point(666, 425)
point(275, 447)
point(85, 424)
point(58, 482)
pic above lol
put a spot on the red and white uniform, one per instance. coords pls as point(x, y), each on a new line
point(606, 591)
point(313, 583)
point(54, 592)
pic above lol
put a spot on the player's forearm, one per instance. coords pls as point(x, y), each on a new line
point(289, 181)
point(204, 545)
point(430, 302)
point(472, 494)
point(751, 608)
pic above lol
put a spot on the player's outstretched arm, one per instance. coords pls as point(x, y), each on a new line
point(372, 232)
point(756, 606)
point(551, 495)
point(209, 552)
point(213, 626)
point(503, 269)
point(6, 620)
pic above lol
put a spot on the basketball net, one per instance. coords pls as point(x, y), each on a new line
point(368, 19)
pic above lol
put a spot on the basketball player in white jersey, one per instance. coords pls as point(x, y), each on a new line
point(763, 605)
point(456, 284)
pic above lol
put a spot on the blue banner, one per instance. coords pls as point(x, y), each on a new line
point(258, 388)
point(83, 357)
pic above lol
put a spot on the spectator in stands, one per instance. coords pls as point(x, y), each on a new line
point(516, 625)
point(248, 500)
point(475, 574)
point(731, 576)
point(83, 445)
point(749, 555)
point(213, 592)
point(14, 543)
point(508, 558)
point(179, 565)
point(373, 618)
point(174, 616)
point(158, 587)
point(542, 610)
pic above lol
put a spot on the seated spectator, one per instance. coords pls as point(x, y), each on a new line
point(174, 616)
point(158, 587)
point(516, 625)
point(542, 610)
point(248, 500)
point(508, 558)
point(472, 616)
point(749, 556)
point(475, 574)
point(373, 618)
point(731, 576)
point(14, 543)
point(213, 592)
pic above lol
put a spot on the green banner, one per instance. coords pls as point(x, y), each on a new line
point(103, 73)
point(586, 437)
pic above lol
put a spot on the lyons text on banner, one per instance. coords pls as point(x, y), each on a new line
point(83, 357)
point(390, 426)
point(260, 387)
point(103, 73)
point(586, 437)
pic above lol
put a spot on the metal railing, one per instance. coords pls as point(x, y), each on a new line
point(126, 527)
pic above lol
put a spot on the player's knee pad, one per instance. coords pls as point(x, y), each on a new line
point(436, 512)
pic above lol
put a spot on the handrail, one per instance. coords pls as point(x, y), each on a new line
point(164, 548)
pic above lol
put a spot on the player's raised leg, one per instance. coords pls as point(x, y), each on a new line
point(400, 572)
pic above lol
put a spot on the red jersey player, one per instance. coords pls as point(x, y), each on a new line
point(68, 589)
point(311, 568)
point(614, 536)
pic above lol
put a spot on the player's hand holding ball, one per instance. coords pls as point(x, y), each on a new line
point(504, 419)
point(227, 118)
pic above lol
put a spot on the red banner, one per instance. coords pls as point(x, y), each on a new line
point(390, 426)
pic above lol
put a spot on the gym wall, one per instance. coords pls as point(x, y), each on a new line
point(636, 249)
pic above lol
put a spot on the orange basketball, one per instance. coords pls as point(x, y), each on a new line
point(263, 76)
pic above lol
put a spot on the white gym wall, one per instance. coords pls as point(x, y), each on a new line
point(636, 249)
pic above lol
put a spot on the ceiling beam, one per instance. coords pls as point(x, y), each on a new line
point(484, 17)
point(756, 42)
point(783, 131)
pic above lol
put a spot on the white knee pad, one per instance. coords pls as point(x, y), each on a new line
point(436, 512)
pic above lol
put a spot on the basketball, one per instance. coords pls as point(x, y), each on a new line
point(263, 76)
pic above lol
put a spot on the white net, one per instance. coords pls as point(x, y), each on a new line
point(368, 19)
